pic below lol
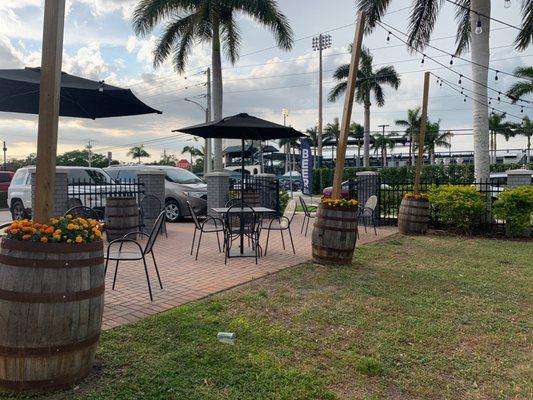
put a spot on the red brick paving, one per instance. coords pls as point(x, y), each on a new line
point(185, 279)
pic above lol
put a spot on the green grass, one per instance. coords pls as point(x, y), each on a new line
point(413, 318)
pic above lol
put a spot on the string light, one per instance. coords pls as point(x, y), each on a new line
point(521, 109)
point(101, 86)
point(388, 37)
point(451, 60)
point(479, 29)
point(496, 76)
point(460, 76)
point(499, 100)
point(423, 59)
point(507, 3)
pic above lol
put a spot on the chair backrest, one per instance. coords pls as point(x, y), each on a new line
point(194, 216)
point(372, 202)
point(304, 206)
point(289, 212)
point(74, 202)
point(83, 212)
point(241, 217)
point(154, 233)
point(151, 206)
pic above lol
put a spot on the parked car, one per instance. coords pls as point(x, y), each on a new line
point(91, 188)
point(345, 189)
point(5, 180)
point(181, 186)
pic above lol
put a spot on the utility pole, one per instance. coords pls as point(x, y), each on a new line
point(5, 159)
point(383, 151)
point(320, 42)
point(89, 148)
point(208, 151)
point(285, 114)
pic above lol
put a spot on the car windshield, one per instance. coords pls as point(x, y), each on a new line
point(182, 176)
point(89, 176)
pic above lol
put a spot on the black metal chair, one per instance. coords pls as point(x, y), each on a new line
point(74, 202)
point(368, 212)
point(241, 222)
point(149, 209)
point(205, 226)
point(140, 252)
point(282, 223)
point(84, 212)
point(308, 215)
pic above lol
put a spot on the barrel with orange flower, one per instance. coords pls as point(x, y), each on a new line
point(52, 294)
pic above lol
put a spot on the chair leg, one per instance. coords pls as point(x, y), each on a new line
point(364, 223)
point(193, 239)
point(115, 276)
point(266, 245)
point(375, 230)
point(282, 240)
point(307, 226)
point(198, 247)
point(106, 263)
point(148, 279)
point(303, 223)
point(226, 249)
point(218, 241)
point(157, 271)
point(292, 243)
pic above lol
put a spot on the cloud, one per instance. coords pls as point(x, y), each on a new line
point(102, 7)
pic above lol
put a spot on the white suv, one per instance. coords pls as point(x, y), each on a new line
point(19, 193)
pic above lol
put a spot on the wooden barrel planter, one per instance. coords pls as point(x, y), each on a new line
point(51, 305)
point(334, 235)
point(413, 216)
point(121, 216)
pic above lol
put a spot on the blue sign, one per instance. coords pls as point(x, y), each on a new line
point(307, 167)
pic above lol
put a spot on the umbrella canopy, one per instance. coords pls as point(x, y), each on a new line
point(242, 126)
point(80, 97)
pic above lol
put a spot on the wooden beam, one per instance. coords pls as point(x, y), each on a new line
point(52, 52)
point(422, 134)
point(348, 105)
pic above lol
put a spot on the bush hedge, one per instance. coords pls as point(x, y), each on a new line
point(458, 206)
point(515, 206)
point(452, 174)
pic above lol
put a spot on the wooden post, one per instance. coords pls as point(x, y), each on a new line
point(52, 52)
point(422, 134)
point(348, 105)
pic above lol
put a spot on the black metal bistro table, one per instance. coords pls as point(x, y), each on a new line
point(257, 210)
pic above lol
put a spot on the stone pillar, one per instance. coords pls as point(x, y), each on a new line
point(61, 192)
point(368, 185)
point(151, 182)
point(217, 191)
point(518, 177)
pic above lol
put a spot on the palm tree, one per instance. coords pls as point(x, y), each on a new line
point(497, 126)
point(526, 129)
point(192, 151)
point(332, 132)
point(368, 82)
point(435, 138)
point(523, 88)
point(412, 128)
point(190, 22)
point(382, 141)
point(138, 152)
point(289, 144)
point(469, 13)
point(357, 131)
point(312, 133)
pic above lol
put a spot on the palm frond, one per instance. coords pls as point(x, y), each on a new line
point(378, 95)
point(337, 91)
point(525, 37)
point(519, 90)
point(172, 34)
point(524, 72)
point(342, 72)
point(464, 29)
point(183, 48)
point(231, 36)
point(389, 76)
point(149, 13)
point(421, 22)
point(374, 10)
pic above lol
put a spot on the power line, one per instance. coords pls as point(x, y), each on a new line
point(486, 16)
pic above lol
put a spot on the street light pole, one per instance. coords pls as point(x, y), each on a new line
point(207, 157)
point(320, 42)
point(383, 150)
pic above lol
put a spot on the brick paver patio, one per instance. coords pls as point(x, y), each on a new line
point(185, 279)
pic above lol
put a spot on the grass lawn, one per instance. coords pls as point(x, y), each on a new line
point(413, 318)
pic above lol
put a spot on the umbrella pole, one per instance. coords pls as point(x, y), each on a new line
point(242, 171)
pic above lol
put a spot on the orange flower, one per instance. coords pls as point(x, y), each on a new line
point(44, 239)
point(26, 237)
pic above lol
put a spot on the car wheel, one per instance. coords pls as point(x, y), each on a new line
point(18, 211)
point(172, 211)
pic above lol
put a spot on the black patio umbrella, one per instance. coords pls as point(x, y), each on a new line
point(80, 97)
point(242, 126)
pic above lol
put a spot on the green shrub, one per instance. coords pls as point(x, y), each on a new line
point(369, 366)
point(515, 206)
point(458, 206)
point(283, 200)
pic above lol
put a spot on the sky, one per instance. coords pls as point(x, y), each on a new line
point(99, 43)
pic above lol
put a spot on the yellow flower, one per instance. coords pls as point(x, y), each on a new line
point(13, 231)
point(79, 239)
point(69, 240)
point(44, 239)
point(71, 227)
point(57, 237)
point(97, 233)
point(26, 237)
point(57, 232)
point(69, 216)
point(54, 221)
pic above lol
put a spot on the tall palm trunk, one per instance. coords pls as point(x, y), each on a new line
point(480, 115)
point(528, 158)
point(217, 90)
point(410, 162)
point(432, 156)
point(366, 138)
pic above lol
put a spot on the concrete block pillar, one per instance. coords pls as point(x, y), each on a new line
point(61, 192)
point(152, 183)
point(217, 191)
point(518, 177)
point(368, 185)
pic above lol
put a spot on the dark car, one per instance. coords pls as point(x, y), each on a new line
point(5, 180)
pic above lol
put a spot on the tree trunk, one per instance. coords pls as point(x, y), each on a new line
point(366, 145)
point(432, 157)
point(410, 161)
point(217, 91)
point(480, 114)
point(528, 159)
point(286, 159)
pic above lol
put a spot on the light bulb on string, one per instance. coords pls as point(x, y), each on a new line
point(423, 59)
point(460, 76)
point(451, 60)
point(388, 37)
point(496, 76)
point(479, 29)
point(499, 100)
point(521, 109)
point(490, 100)
point(507, 3)
point(464, 100)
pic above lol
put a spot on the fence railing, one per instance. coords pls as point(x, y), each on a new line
point(91, 194)
point(391, 194)
point(258, 191)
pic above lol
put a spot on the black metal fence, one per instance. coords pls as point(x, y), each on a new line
point(91, 194)
point(391, 194)
point(257, 191)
